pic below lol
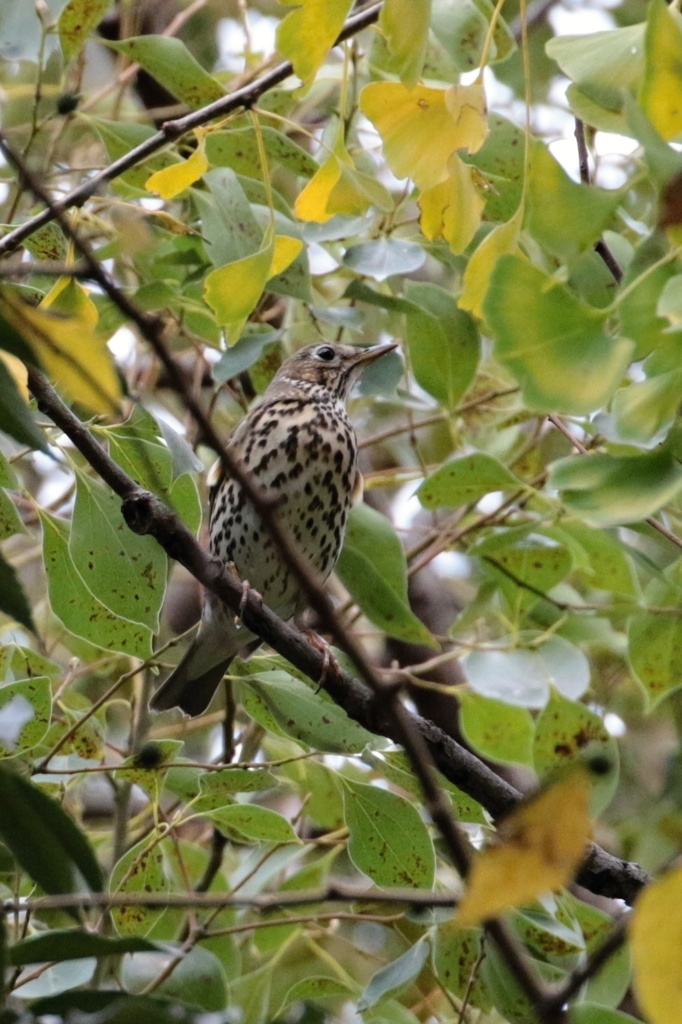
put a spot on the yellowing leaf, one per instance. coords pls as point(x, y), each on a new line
point(656, 945)
point(72, 354)
point(232, 291)
point(305, 36)
point(503, 238)
point(661, 92)
point(169, 182)
point(540, 847)
point(452, 209)
point(421, 128)
point(18, 372)
point(468, 110)
point(69, 298)
point(339, 188)
point(286, 249)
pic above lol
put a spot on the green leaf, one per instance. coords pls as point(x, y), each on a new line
point(44, 840)
point(10, 520)
point(139, 450)
point(141, 869)
point(456, 957)
point(648, 407)
point(125, 572)
point(198, 979)
point(223, 784)
point(404, 24)
point(607, 490)
point(608, 566)
point(78, 609)
point(524, 565)
point(395, 767)
point(238, 149)
point(383, 257)
point(373, 568)
point(77, 20)
point(655, 639)
point(443, 343)
point(119, 137)
point(501, 159)
point(466, 479)
point(462, 26)
point(168, 60)
point(564, 731)
point(298, 711)
point(396, 974)
point(564, 217)
point(388, 841)
point(13, 600)
point(116, 1007)
point(25, 712)
point(15, 416)
point(553, 344)
point(593, 1013)
point(524, 676)
point(250, 823)
point(606, 66)
point(71, 944)
point(498, 731)
point(229, 226)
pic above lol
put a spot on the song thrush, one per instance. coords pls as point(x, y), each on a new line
point(296, 442)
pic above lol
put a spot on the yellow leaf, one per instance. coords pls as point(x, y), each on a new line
point(339, 188)
point(169, 182)
point(232, 291)
point(422, 127)
point(468, 110)
point(504, 238)
point(306, 35)
point(452, 209)
point(656, 946)
point(18, 372)
point(71, 353)
point(661, 91)
point(69, 298)
point(540, 847)
point(286, 250)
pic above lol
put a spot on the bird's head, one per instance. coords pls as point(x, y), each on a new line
point(332, 367)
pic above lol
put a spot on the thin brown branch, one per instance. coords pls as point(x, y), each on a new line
point(600, 246)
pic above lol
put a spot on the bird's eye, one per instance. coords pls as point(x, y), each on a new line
point(325, 352)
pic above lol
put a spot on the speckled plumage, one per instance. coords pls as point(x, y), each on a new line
point(298, 442)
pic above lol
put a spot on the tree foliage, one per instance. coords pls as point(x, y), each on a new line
point(348, 836)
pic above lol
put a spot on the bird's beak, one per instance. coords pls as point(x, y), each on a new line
point(368, 355)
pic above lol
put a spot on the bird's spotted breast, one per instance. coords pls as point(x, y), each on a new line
point(308, 458)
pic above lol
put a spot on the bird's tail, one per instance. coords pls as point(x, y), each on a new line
point(193, 682)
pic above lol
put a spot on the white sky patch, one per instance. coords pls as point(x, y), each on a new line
point(614, 725)
point(579, 20)
point(232, 43)
point(122, 345)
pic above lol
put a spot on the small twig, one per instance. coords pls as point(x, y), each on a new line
point(600, 246)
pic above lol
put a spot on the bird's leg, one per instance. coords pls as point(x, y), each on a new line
point(246, 590)
point(329, 662)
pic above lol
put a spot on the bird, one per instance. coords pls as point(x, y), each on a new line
point(298, 446)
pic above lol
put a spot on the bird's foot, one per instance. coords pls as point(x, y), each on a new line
point(247, 590)
point(329, 662)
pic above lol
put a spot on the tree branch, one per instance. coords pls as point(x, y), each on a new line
point(145, 513)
